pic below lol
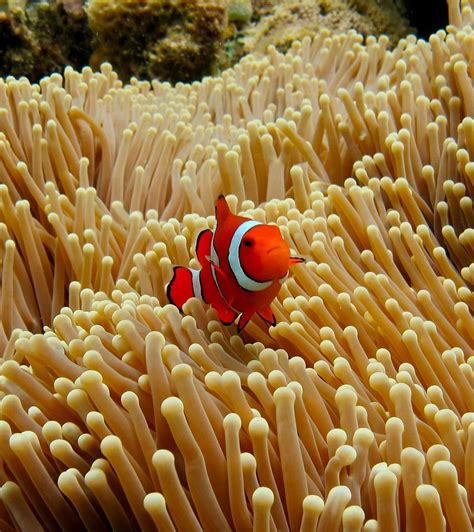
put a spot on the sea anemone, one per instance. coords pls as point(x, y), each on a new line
point(356, 411)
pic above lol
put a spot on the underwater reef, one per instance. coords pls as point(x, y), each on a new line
point(173, 40)
point(281, 23)
point(355, 411)
point(43, 39)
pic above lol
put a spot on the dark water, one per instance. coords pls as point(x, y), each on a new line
point(427, 16)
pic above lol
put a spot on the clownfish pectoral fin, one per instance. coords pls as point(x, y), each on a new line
point(183, 286)
point(296, 260)
point(244, 319)
point(222, 209)
point(203, 246)
point(267, 315)
point(226, 315)
point(217, 268)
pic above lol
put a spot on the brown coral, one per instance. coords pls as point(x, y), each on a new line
point(42, 39)
point(283, 22)
point(175, 40)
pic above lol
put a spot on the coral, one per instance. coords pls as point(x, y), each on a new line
point(284, 22)
point(42, 39)
point(62, 35)
point(12, 4)
point(354, 412)
point(175, 40)
point(385, 16)
point(239, 10)
point(18, 51)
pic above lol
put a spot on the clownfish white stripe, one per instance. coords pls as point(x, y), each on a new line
point(215, 260)
point(218, 286)
point(234, 260)
point(196, 279)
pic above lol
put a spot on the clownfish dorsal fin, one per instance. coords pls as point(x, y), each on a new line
point(222, 209)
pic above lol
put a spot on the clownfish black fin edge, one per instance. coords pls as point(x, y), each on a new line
point(203, 246)
point(181, 281)
point(243, 320)
point(169, 287)
point(268, 316)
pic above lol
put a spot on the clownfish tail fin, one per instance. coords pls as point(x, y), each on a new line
point(185, 284)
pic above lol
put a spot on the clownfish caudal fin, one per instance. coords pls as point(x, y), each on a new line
point(267, 315)
point(185, 284)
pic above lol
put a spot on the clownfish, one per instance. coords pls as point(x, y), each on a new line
point(243, 265)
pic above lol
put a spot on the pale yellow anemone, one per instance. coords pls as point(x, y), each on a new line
point(356, 411)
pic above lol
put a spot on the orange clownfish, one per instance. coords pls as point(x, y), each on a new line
point(243, 265)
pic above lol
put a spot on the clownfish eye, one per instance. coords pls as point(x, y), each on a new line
point(247, 242)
